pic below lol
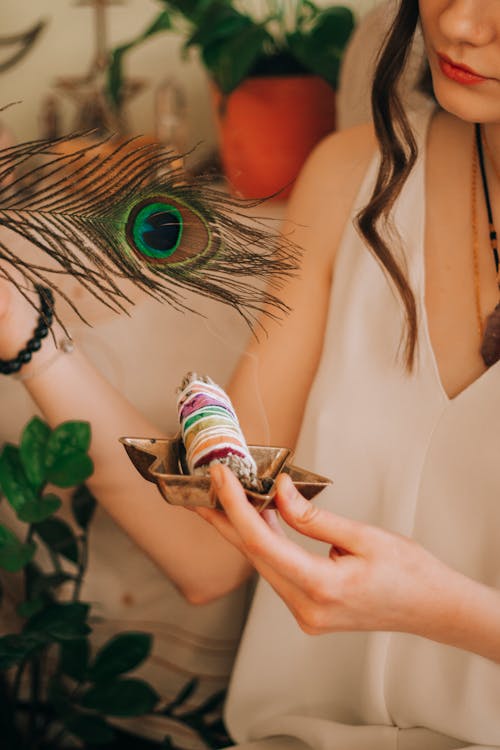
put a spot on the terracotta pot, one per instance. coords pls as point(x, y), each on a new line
point(267, 127)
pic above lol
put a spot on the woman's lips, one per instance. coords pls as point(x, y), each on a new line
point(459, 73)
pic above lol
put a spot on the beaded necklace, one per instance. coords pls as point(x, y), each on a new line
point(490, 346)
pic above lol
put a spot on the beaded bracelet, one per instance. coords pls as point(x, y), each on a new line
point(11, 366)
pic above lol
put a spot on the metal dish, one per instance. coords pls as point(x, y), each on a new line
point(162, 461)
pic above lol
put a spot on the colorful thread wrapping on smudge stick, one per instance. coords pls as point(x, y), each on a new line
point(211, 432)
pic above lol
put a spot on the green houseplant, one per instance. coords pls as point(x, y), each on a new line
point(294, 36)
point(287, 41)
point(56, 691)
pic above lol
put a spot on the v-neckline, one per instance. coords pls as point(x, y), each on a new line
point(422, 276)
point(437, 374)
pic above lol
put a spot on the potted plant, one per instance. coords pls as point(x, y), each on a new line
point(273, 78)
point(57, 691)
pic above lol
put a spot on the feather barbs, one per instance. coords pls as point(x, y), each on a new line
point(112, 211)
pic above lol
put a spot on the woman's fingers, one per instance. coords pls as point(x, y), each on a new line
point(293, 596)
point(261, 544)
point(362, 584)
point(270, 516)
point(344, 534)
point(220, 521)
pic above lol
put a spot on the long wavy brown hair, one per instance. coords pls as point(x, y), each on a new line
point(398, 154)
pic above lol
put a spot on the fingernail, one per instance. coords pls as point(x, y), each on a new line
point(217, 476)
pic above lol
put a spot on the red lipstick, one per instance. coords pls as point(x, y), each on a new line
point(458, 72)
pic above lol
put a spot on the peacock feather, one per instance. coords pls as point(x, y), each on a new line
point(108, 212)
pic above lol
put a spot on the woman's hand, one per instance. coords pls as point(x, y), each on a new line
point(368, 579)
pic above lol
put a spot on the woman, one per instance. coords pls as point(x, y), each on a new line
point(395, 569)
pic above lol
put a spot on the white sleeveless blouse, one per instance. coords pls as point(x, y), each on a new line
point(406, 457)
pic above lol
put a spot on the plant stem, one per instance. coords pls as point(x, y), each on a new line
point(29, 537)
point(82, 566)
point(55, 560)
point(10, 734)
point(17, 681)
point(34, 700)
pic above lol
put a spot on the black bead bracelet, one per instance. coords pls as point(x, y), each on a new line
point(11, 366)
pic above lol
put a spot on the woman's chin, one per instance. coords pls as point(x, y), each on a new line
point(468, 104)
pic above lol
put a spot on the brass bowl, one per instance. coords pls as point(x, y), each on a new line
point(162, 461)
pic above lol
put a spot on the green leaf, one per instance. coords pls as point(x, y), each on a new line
point(120, 654)
point(219, 25)
point(38, 510)
point(32, 449)
point(59, 537)
point(70, 470)
point(68, 438)
point(93, 729)
point(162, 22)
point(333, 27)
point(26, 609)
point(213, 702)
point(66, 459)
point(83, 505)
point(231, 60)
point(61, 622)
point(306, 12)
point(74, 658)
point(13, 480)
point(128, 697)
point(14, 555)
point(322, 48)
point(184, 694)
point(318, 62)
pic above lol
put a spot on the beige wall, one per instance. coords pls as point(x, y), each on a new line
point(66, 46)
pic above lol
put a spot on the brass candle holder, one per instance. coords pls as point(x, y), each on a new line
point(162, 461)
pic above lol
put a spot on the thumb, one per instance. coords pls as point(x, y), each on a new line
point(308, 519)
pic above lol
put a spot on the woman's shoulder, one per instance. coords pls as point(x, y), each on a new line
point(336, 167)
point(343, 156)
point(330, 181)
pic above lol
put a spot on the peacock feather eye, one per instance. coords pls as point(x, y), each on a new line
point(155, 229)
point(164, 231)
